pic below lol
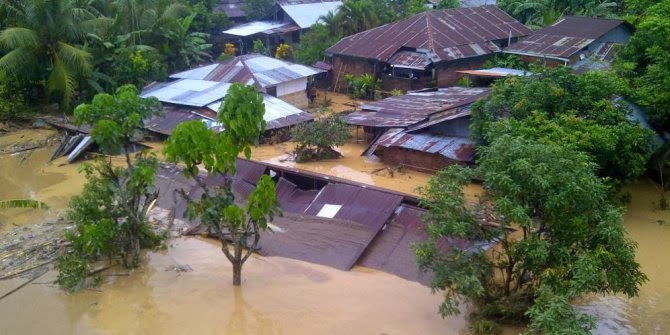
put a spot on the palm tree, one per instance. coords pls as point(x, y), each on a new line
point(22, 203)
point(44, 45)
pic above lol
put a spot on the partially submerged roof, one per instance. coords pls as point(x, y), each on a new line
point(564, 38)
point(458, 149)
point(256, 27)
point(249, 69)
point(442, 35)
point(278, 113)
point(414, 107)
point(305, 13)
point(172, 116)
point(188, 92)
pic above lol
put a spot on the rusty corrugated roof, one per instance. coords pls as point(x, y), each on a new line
point(455, 148)
point(171, 117)
point(410, 60)
point(564, 38)
point(414, 107)
point(442, 35)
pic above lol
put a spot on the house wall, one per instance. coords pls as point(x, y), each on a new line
point(349, 65)
point(297, 99)
point(294, 92)
point(390, 83)
point(445, 72)
point(415, 160)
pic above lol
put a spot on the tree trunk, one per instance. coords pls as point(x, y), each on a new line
point(237, 273)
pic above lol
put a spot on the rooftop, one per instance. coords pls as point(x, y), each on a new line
point(441, 35)
point(249, 69)
point(305, 13)
point(564, 38)
point(419, 106)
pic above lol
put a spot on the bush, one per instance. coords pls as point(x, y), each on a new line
point(315, 140)
point(363, 86)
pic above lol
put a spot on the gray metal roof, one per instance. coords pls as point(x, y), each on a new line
point(188, 92)
point(305, 14)
point(496, 72)
point(252, 28)
point(249, 69)
point(278, 113)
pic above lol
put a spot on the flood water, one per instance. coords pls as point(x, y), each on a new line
point(278, 295)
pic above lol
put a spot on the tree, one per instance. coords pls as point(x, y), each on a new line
point(645, 63)
point(43, 46)
point(257, 9)
point(556, 106)
point(560, 237)
point(194, 145)
point(315, 140)
point(110, 214)
point(185, 48)
point(314, 43)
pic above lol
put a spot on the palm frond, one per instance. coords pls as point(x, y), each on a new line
point(13, 38)
point(17, 60)
point(74, 58)
point(23, 203)
point(61, 81)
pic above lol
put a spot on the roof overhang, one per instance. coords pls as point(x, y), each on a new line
point(532, 54)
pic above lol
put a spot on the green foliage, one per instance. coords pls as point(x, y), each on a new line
point(555, 106)
point(110, 214)
point(569, 239)
point(284, 51)
point(258, 9)
point(194, 145)
point(506, 61)
point(539, 13)
point(183, 47)
point(315, 140)
point(260, 48)
point(23, 203)
point(645, 63)
point(138, 67)
point(314, 43)
point(364, 86)
point(446, 4)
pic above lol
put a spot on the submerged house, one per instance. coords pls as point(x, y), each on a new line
point(290, 19)
point(426, 49)
point(579, 42)
point(198, 93)
point(423, 130)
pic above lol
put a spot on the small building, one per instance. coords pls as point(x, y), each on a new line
point(423, 130)
point(193, 99)
point(291, 18)
point(274, 77)
point(573, 41)
point(426, 49)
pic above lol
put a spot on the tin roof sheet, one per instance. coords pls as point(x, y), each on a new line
point(188, 92)
point(564, 38)
point(307, 13)
point(252, 28)
point(415, 107)
point(278, 113)
point(410, 60)
point(498, 72)
point(171, 117)
point(257, 69)
point(455, 148)
point(443, 35)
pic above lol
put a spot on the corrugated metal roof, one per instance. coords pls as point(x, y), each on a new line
point(455, 148)
point(251, 28)
point(278, 113)
point(415, 107)
point(497, 72)
point(262, 70)
point(410, 60)
point(188, 92)
point(171, 117)
point(444, 35)
point(477, 3)
point(564, 38)
point(307, 13)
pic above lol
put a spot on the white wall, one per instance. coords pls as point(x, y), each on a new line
point(292, 87)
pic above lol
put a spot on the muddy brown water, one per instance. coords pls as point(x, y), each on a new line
point(280, 296)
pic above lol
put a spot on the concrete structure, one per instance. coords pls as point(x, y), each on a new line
point(426, 49)
point(573, 41)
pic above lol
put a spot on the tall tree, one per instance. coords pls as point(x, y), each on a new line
point(44, 46)
point(560, 237)
point(258, 9)
point(194, 145)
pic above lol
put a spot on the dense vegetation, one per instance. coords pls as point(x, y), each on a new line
point(316, 140)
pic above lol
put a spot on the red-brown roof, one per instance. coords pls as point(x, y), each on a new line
point(564, 38)
point(443, 35)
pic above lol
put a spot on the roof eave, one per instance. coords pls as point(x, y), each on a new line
point(531, 54)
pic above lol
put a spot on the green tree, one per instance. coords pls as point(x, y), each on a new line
point(556, 106)
point(446, 4)
point(258, 9)
point(260, 48)
point(315, 140)
point(43, 46)
point(110, 214)
point(645, 63)
point(314, 43)
point(184, 48)
point(194, 145)
point(560, 237)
